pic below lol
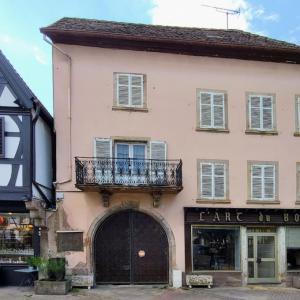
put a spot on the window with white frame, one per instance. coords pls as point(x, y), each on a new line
point(261, 112)
point(129, 90)
point(263, 181)
point(211, 110)
point(213, 179)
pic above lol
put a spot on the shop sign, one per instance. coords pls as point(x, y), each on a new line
point(242, 216)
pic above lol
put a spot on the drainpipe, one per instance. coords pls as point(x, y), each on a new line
point(69, 178)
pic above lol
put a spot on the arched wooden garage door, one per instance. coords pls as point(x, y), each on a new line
point(131, 247)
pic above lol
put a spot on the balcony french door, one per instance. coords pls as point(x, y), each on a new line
point(262, 258)
point(130, 165)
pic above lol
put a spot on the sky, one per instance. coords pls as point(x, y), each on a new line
point(23, 44)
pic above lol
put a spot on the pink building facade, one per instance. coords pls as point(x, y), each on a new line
point(177, 153)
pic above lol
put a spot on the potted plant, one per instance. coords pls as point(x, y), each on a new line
point(56, 268)
point(33, 261)
point(55, 282)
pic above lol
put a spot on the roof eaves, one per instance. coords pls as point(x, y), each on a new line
point(24, 94)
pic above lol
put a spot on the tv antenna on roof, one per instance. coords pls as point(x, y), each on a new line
point(225, 11)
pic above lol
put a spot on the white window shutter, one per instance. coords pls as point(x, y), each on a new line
point(123, 89)
point(218, 111)
point(256, 182)
point(205, 109)
point(206, 178)
point(269, 182)
point(158, 150)
point(254, 112)
point(219, 181)
point(263, 182)
point(267, 109)
point(103, 148)
point(137, 90)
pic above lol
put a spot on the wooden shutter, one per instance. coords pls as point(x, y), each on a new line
point(218, 111)
point(136, 90)
point(2, 138)
point(206, 180)
point(254, 112)
point(267, 112)
point(219, 181)
point(263, 182)
point(158, 150)
point(269, 182)
point(103, 148)
point(205, 109)
point(256, 182)
point(123, 85)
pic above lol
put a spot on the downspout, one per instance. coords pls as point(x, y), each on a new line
point(69, 178)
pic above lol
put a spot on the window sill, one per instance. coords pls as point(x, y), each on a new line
point(124, 108)
point(263, 202)
point(217, 130)
point(211, 201)
point(261, 132)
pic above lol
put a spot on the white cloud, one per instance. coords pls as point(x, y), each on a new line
point(194, 13)
point(17, 45)
point(274, 17)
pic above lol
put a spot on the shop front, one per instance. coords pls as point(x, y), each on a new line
point(243, 246)
point(19, 239)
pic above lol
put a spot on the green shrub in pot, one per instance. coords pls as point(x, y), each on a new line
point(56, 268)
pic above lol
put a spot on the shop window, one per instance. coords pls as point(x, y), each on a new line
point(215, 248)
point(293, 248)
point(16, 238)
point(293, 259)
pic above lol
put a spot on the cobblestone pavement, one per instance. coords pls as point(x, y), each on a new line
point(158, 293)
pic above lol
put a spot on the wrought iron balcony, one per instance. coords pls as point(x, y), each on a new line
point(127, 174)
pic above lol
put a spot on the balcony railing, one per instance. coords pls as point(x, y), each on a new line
point(127, 173)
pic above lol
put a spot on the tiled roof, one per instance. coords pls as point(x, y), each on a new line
point(231, 37)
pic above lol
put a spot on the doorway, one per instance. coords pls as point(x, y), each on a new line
point(262, 256)
point(131, 247)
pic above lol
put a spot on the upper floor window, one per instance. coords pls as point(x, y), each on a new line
point(261, 113)
point(130, 90)
point(211, 110)
point(134, 162)
point(2, 137)
point(213, 179)
point(263, 181)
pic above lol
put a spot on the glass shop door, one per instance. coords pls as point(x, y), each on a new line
point(262, 258)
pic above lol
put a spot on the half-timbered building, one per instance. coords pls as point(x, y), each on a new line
point(26, 172)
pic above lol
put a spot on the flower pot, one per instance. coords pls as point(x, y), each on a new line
point(56, 269)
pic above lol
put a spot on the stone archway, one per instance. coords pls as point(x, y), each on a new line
point(113, 210)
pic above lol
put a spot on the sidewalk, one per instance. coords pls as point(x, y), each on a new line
point(158, 293)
